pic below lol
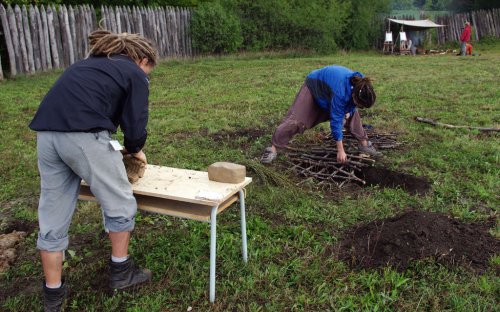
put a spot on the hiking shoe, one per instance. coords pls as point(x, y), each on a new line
point(125, 274)
point(268, 156)
point(53, 298)
point(369, 149)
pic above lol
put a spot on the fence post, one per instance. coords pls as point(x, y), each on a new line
point(8, 41)
point(28, 41)
point(35, 39)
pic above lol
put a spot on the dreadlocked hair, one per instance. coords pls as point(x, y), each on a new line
point(105, 43)
point(363, 93)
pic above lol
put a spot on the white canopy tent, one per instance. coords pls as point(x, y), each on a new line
point(417, 24)
point(415, 27)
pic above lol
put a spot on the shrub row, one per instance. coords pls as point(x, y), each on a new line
point(225, 26)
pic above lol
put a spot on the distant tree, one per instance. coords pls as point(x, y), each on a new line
point(363, 24)
point(402, 4)
point(215, 30)
point(469, 5)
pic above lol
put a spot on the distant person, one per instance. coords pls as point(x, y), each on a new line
point(465, 38)
point(331, 93)
point(74, 123)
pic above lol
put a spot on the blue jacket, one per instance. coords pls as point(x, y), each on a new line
point(331, 89)
point(95, 94)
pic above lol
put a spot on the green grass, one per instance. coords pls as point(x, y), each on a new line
point(289, 228)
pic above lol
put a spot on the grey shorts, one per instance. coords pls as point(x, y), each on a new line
point(64, 159)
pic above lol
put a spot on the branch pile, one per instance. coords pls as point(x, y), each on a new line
point(319, 162)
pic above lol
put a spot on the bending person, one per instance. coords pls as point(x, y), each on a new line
point(74, 123)
point(332, 93)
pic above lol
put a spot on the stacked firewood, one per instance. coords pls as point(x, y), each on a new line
point(319, 162)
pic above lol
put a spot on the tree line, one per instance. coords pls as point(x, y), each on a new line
point(445, 5)
point(255, 25)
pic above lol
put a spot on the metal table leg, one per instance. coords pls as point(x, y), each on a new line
point(213, 244)
point(243, 227)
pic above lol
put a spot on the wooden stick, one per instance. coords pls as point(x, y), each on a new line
point(435, 123)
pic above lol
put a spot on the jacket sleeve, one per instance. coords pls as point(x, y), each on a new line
point(465, 34)
point(135, 113)
point(336, 118)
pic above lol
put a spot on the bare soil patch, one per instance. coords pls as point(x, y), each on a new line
point(20, 225)
point(242, 138)
point(388, 178)
point(418, 235)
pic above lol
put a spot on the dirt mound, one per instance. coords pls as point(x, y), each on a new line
point(8, 252)
point(418, 235)
point(388, 178)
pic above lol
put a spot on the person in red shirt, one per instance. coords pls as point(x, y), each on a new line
point(464, 38)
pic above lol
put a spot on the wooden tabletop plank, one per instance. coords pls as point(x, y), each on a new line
point(184, 185)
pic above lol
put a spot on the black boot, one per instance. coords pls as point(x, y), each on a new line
point(53, 298)
point(126, 274)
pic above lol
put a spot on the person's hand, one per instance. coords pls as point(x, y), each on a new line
point(341, 157)
point(141, 156)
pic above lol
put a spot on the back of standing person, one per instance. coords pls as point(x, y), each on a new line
point(74, 123)
point(465, 38)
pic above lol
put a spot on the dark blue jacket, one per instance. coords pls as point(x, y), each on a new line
point(331, 89)
point(95, 94)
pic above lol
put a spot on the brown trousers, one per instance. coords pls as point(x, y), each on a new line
point(305, 114)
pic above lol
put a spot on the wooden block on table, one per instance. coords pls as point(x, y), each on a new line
point(226, 172)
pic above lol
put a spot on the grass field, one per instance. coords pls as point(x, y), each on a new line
point(289, 228)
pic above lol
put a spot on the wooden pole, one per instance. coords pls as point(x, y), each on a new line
point(127, 16)
point(22, 39)
point(104, 17)
point(52, 35)
point(435, 123)
point(72, 26)
point(35, 39)
point(118, 19)
point(8, 41)
point(69, 37)
point(64, 36)
point(59, 33)
point(78, 33)
point(41, 39)
point(28, 41)
point(46, 36)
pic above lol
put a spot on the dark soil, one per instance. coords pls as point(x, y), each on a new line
point(20, 226)
point(388, 178)
point(242, 138)
point(419, 235)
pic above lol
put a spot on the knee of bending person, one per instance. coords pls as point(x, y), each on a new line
point(119, 224)
point(51, 241)
point(120, 220)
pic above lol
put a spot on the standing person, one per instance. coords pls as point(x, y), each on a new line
point(330, 93)
point(465, 38)
point(90, 100)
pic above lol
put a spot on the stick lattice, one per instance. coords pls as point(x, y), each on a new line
point(319, 162)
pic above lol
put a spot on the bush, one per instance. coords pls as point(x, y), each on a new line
point(213, 29)
point(281, 24)
point(364, 24)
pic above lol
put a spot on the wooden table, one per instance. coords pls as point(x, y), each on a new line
point(187, 194)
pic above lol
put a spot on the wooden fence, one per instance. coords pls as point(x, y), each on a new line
point(42, 38)
point(484, 23)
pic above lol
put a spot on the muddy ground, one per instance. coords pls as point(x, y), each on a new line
point(418, 235)
point(389, 178)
